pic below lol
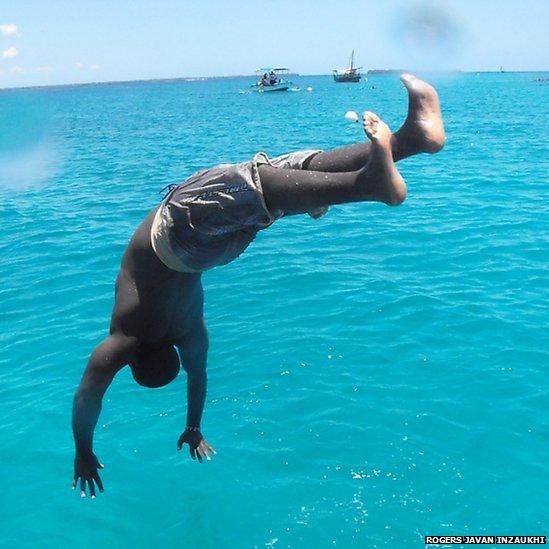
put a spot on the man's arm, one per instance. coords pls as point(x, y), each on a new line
point(193, 350)
point(106, 360)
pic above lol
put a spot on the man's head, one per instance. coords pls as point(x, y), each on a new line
point(155, 365)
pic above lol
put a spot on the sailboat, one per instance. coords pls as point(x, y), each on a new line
point(352, 74)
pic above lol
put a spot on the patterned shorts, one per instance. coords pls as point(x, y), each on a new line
point(212, 217)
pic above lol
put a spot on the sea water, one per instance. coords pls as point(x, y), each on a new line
point(374, 376)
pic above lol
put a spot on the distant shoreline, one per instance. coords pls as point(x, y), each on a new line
point(372, 72)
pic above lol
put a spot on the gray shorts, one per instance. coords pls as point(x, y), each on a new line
point(212, 217)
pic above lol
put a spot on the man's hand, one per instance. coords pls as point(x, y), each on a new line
point(85, 469)
point(198, 446)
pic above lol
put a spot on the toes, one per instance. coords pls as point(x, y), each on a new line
point(418, 89)
point(370, 117)
point(371, 123)
point(407, 79)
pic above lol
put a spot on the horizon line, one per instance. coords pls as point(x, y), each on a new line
point(377, 72)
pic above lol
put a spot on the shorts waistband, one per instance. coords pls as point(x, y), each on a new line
point(160, 241)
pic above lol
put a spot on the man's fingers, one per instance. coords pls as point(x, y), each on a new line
point(192, 452)
point(82, 487)
point(91, 487)
point(180, 443)
point(75, 480)
point(204, 451)
point(97, 479)
point(198, 454)
point(210, 449)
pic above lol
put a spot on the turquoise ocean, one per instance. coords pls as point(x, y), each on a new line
point(375, 376)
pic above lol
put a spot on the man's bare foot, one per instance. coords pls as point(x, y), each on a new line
point(423, 130)
point(380, 178)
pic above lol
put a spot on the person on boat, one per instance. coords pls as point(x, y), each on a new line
point(272, 78)
point(157, 324)
point(264, 80)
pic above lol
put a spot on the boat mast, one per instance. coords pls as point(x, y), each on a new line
point(352, 58)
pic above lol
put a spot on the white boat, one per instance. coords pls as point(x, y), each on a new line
point(271, 80)
point(351, 74)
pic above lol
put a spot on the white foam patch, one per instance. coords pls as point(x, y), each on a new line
point(29, 167)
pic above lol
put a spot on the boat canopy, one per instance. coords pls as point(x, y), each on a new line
point(279, 70)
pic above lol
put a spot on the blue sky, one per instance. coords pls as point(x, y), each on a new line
point(98, 40)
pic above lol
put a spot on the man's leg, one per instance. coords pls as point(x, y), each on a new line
point(299, 191)
point(423, 131)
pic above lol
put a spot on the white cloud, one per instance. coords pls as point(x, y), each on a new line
point(10, 53)
point(9, 29)
point(45, 68)
point(18, 70)
point(93, 67)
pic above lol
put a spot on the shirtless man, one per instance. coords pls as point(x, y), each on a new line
point(208, 221)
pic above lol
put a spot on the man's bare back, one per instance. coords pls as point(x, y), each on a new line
point(154, 304)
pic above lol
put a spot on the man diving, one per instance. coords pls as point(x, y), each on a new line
point(157, 323)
